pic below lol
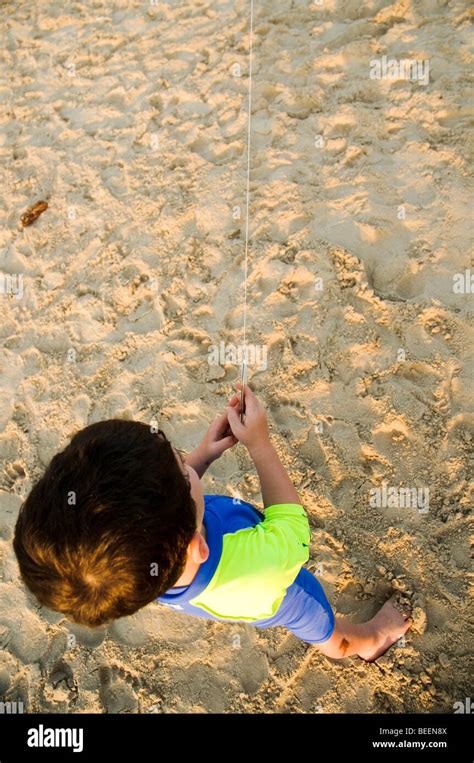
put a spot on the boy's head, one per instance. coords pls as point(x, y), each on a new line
point(111, 524)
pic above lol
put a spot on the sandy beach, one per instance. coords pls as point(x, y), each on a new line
point(130, 120)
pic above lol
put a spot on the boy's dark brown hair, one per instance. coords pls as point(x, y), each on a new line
point(105, 530)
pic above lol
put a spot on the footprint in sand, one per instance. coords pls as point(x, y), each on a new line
point(62, 673)
point(12, 474)
point(117, 690)
point(288, 415)
point(14, 682)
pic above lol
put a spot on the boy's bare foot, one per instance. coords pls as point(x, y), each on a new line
point(389, 625)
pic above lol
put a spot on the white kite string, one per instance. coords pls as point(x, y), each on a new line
point(244, 357)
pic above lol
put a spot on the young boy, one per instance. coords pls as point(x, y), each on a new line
point(119, 520)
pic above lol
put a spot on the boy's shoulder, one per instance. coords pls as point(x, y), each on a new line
point(235, 514)
point(277, 542)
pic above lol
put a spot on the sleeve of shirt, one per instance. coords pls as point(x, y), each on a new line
point(257, 565)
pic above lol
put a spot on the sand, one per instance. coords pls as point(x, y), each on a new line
point(130, 121)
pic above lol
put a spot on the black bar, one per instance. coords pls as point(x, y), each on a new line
point(154, 736)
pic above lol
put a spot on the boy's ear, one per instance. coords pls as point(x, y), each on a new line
point(198, 550)
point(204, 548)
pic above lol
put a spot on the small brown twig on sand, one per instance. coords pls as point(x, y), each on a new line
point(33, 213)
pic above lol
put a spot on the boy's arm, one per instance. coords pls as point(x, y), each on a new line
point(198, 460)
point(275, 483)
point(277, 488)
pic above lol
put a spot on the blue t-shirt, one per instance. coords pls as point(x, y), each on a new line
point(254, 570)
